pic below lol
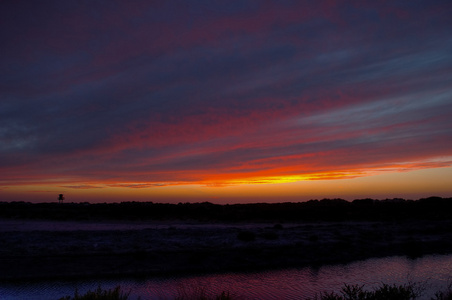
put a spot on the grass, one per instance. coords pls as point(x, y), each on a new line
point(444, 295)
point(199, 293)
point(184, 293)
point(100, 294)
point(410, 291)
point(384, 292)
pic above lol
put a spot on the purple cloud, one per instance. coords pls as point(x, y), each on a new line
point(139, 95)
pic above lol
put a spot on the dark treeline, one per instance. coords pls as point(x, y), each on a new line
point(432, 208)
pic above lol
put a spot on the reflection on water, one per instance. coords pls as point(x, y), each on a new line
point(436, 271)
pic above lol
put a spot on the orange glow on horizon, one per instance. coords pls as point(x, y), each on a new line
point(380, 183)
point(268, 176)
point(280, 179)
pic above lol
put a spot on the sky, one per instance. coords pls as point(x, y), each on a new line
point(225, 101)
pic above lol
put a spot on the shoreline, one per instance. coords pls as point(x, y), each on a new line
point(42, 250)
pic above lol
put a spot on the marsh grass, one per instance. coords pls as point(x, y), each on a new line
point(409, 291)
point(200, 293)
point(183, 293)
point(444, 295)
point(100, 294)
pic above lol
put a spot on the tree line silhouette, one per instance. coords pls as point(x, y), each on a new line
point(432, 208)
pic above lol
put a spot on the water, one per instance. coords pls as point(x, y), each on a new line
point(435, 272)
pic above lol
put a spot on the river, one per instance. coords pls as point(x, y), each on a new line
point(433, 272)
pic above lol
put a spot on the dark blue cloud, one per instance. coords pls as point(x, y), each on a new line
point(104, 87)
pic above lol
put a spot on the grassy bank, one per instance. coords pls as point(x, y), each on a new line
point(40, 252)
point(411, 291)
point(145, 238)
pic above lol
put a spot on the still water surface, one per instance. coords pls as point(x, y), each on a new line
point(435, 272)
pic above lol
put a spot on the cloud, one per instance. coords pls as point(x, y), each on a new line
point(82, 186)
point(150, 95)
point(139, 185)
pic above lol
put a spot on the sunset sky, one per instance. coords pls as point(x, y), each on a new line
point(225, 101)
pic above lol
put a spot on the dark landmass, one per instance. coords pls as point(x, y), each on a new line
point(51, 240)
point(432, 208)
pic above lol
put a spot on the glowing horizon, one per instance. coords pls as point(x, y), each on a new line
point(401, 184)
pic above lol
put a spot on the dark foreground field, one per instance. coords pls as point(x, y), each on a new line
point(40, 241)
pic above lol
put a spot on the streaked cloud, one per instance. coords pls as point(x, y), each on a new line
point(142, 95)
